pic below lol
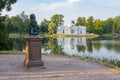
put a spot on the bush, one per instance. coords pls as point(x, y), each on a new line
point(5, 43)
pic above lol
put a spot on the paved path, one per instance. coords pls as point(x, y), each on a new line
point(57, 68)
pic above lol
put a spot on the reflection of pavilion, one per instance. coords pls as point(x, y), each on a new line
point(71, 42)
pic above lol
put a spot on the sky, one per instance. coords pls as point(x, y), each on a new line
point(70, 9)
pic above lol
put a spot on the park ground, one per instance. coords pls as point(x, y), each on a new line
point(55, 68)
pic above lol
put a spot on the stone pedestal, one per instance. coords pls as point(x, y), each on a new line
point(33, 52)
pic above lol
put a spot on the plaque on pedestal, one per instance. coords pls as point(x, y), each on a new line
point(33, 51)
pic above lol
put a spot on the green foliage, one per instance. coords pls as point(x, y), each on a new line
point(90, 21)
point(73, 22)
point(9, 24)
point(3, 30)
point(81, 21)
point(109, 24)
point(44, 26)
point(97, 27)
point(57, 19)
point(18, 24)
point(6, 4)
point(118, 28)
point(5, 43)
point(51, 27)
point(117, 23)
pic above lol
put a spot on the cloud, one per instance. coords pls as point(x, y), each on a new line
point(55, 5)
point(110, 3)
point(73, 1)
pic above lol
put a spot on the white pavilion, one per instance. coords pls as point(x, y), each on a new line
point(71, 29)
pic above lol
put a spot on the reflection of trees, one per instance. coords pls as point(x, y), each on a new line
point(115, 47)
point(97, 46)
point(80, 48)
point(44, 43)
point(53, 46)
point(89, 45)
point(108, 46)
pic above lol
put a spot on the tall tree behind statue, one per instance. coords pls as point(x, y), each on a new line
point(5, 43)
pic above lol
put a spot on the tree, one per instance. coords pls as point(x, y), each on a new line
point(6, 4)
point(23, 20)
point(79, 21)
point(90, 21)
point(51, 27)
point(8, 24)
point(3, 35)
point(57, 19)
point(113, 28)
point(16, 22)
point(83, 21)
point(26, 25)
point(5, 43)
point(44, 25)
point(73, 22)
point(118, 28)
point(117, 23)
point(20, 23)
point(109, 25)
point(98, 26)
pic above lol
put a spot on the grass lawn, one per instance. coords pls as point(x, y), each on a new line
point(17, 35)
point(70, 35)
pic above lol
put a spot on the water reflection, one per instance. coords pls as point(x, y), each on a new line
point(72, 44)
point(83, 47)
point(50, 46)
point(89, 46)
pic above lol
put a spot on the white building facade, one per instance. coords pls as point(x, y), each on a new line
point(71, 29)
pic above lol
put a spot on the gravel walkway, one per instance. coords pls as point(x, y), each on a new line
point(56, 68)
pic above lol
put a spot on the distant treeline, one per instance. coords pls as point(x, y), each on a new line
point(19, 24)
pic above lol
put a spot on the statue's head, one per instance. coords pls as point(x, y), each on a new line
point(32, 16)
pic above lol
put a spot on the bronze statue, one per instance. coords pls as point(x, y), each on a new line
point(33, 27)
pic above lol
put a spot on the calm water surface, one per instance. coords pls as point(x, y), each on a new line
point(82, 46)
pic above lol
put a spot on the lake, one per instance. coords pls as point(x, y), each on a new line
point(78, 46)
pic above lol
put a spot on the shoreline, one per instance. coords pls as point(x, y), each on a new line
point(75, 35)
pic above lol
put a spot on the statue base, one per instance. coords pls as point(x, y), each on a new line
point(33, 51)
